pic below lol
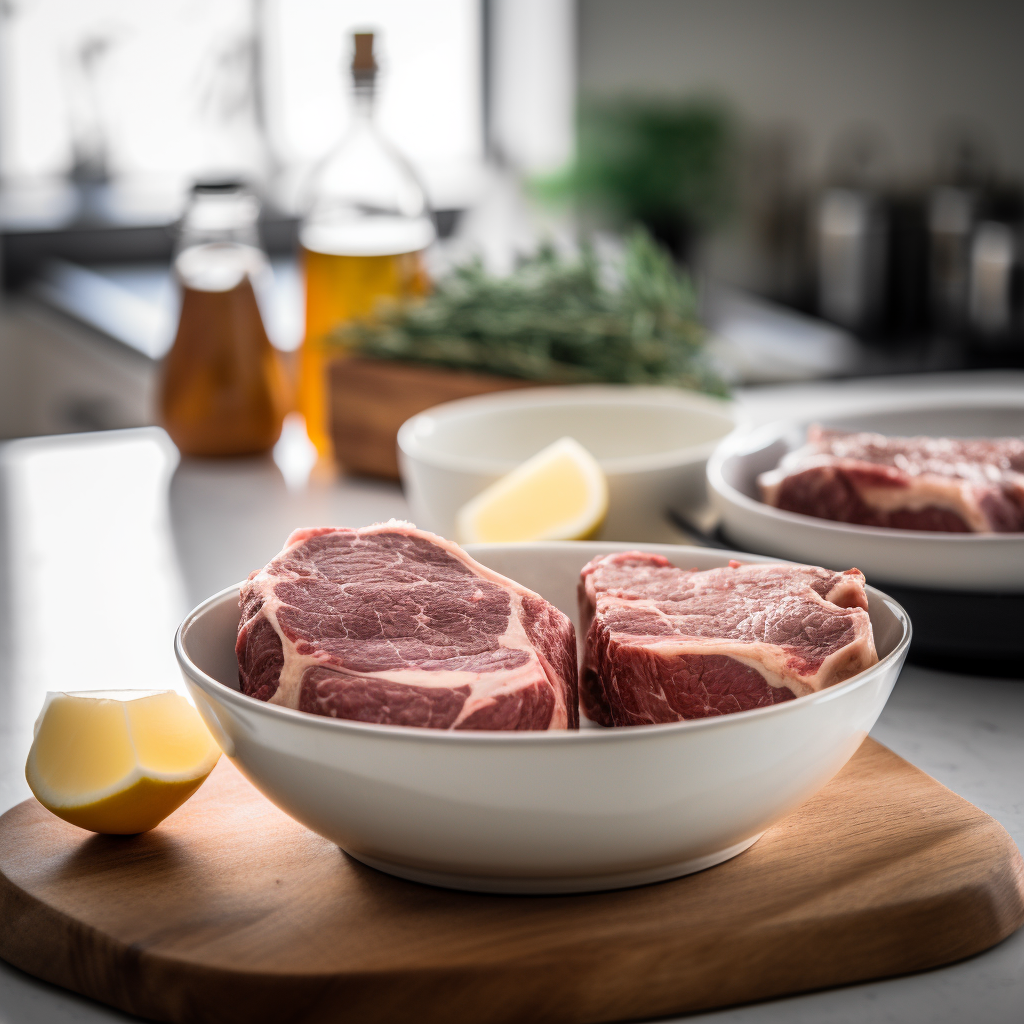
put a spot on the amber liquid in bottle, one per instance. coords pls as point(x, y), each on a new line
point(361, 241)
point(223, 390)
point(338, 289)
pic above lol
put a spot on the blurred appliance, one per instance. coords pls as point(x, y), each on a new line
point(778, 207)
point(994, 290)
point(960, 197)
point(871, 246)
point(852, 249)
point(366, 225)
point(872, 252)
point(223, 389)
point(952, 214)
point(993, 317)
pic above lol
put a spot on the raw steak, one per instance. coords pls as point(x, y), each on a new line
point(394, 625)
point(664, 644)
point(911, 483)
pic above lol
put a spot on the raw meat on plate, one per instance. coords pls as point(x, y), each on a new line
point(394, 625)
point(910, 483)
point(665, 644)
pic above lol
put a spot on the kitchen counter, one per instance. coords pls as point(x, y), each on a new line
point(108, 540)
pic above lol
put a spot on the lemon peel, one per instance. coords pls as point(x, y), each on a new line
point(118, 761)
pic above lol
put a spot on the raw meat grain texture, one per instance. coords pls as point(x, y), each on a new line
point(665, 644)
point(908, 483)
point(394, 625)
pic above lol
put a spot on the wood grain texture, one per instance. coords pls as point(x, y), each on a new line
point(230, 912)
point(371, 398)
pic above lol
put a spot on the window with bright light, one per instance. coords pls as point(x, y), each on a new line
point(140, 91)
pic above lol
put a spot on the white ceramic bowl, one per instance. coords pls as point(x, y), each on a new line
point(653, 444)
point(916, 558)
point(539, 812)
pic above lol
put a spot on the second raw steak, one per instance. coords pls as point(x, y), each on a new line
point(665, 644)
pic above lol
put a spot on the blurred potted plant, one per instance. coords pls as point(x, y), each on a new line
point(667, 164)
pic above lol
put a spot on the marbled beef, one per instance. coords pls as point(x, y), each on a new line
point(393, 625)
point(909, 483)
point(665, 644)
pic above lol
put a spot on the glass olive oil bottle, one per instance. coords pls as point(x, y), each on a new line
point(366, 226)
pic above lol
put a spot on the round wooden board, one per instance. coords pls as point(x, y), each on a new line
point(230, 912)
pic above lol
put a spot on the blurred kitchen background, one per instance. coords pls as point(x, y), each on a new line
point(841, 179)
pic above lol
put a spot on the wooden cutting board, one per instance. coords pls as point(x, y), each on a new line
point(231, 912)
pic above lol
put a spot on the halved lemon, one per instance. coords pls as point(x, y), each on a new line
point(559, 494)
point(118, 761)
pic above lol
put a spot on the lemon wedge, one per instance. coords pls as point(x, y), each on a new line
point(559, 494)
point(118, 761)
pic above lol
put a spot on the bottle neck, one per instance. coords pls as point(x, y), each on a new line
point(364, 98)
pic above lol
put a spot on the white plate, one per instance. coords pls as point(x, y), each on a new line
point(916, 558)
point(653, 444)
point(540, 812)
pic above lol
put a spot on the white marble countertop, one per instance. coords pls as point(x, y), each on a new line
point(107, 542)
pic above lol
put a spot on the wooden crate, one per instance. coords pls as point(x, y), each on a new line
point(371, 398)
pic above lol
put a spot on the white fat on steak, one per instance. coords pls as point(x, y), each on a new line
point(974, 485)
point(394, 625)
point(664, 644)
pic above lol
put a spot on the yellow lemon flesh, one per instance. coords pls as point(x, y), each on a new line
point(559, 494)
point(118, 761)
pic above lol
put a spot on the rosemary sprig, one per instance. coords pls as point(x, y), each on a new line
point(553, 320)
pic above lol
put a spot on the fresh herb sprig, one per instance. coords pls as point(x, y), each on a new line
point(555, 320)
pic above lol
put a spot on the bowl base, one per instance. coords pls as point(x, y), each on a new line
point(556, 886)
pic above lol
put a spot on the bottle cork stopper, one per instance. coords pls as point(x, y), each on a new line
point(363, 63)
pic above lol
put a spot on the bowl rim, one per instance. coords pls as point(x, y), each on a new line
point(411, 446)
point(219, 691)
point(749, 441)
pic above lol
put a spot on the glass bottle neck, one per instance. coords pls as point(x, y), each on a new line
point(364, 98)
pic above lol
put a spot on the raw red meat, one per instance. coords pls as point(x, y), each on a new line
point(665, 644)
point(910, 483)
point(394, 625)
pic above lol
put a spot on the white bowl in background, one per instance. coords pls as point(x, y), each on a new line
point(977, 562)
point(540, 812)
point(652, 443)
